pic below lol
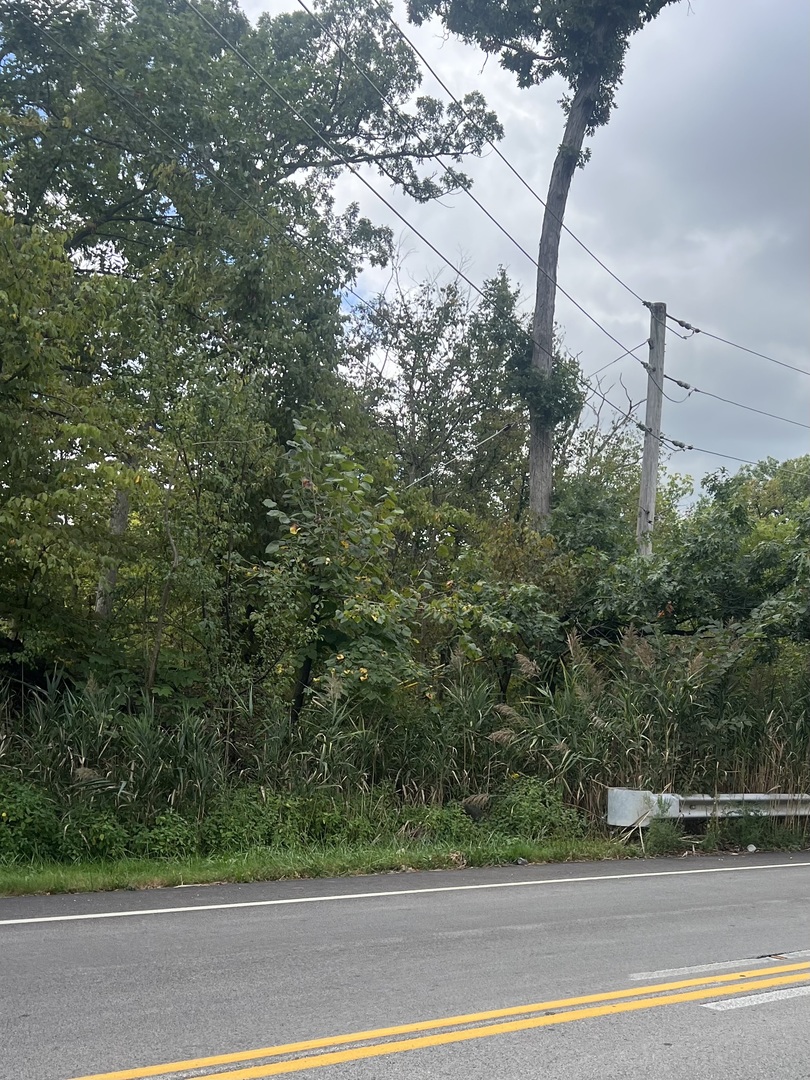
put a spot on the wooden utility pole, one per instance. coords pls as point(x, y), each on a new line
point(652, 429)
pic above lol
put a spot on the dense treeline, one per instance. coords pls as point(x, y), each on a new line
point(257, 533)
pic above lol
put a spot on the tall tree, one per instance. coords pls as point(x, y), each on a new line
point(175, 294)
point(439, 371)
point(585, 42)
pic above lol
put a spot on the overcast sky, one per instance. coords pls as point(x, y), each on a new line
point(696, 194)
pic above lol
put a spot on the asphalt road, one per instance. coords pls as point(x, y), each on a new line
point(668, 968)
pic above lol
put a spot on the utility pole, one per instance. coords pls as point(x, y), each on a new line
point(652, 430)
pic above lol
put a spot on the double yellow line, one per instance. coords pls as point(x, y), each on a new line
point(456, 1029)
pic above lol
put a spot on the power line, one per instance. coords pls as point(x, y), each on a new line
point(659, 386)
point(329, 146)
point(381, 7)
point(366, 183)
point(459, 457)
point(676, 444)
point(734, 345)
point(335, 150)
point(738, 404)
point(279, 96)
point(294, 239)
point(488, 214)
point(627, 352)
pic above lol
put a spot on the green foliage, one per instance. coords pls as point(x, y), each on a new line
point(96, 745)
point(739, 832)
point(29, 821)
point(530, 808)
point(555, 397)
point(254, 596)
point(247, 818)
point(439, 824)
point(664, 837)
point(240, 819)
point(169, 836)
point(575, 39)
point(92, 833)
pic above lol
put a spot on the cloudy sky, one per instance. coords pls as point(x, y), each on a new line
point(696, 195)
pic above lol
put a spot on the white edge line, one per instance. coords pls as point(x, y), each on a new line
point(757, 999)
point(644, 976)
point(287, 901)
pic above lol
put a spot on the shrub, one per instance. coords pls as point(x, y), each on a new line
point(321, 819)
point(442, 824)
point(29, 821)
point(529, 808)
point(241, 819)
point(171, 836)
point(92, 833)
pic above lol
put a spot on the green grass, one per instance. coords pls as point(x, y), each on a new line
point(267, 864)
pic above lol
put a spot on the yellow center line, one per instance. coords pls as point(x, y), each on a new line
point(442, 1039)
point(445, 1022)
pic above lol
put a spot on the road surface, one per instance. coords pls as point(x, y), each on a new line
point(668, 968)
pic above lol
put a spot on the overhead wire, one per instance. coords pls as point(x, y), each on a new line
point(734, 345)
point(459, 457)
point(627, 352)
point(366, 183)
point(676, 444)
point(691, 329)
point(295, 240)
point(216, 178)
point(342, 157)
point(737, 404)
point(488, 214)
point(498, 152)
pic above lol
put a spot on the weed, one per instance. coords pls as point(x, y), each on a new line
point(92, 833)
point(738, 832)
point(664, 837)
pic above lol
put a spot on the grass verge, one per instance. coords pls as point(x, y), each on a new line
point(268, 864)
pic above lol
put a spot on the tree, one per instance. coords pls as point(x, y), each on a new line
point(584, 42)
point(441, 374)
point(174, 296)
point(130, 123)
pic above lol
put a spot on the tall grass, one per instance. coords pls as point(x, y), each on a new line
point(705, 713)
point(94, 744)
point(670, 714)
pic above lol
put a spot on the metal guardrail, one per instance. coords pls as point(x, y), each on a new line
point(629, 808)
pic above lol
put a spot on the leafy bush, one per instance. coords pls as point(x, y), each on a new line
point(240, 819)
point(252, 817)
point(529, 808)
point(92, 833)
point(441, 824)
point(29, 821)
point(171, 836)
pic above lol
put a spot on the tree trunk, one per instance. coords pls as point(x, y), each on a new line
point(106, 585)
point(302, 684)
point(541, 433)
point(160, 623)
